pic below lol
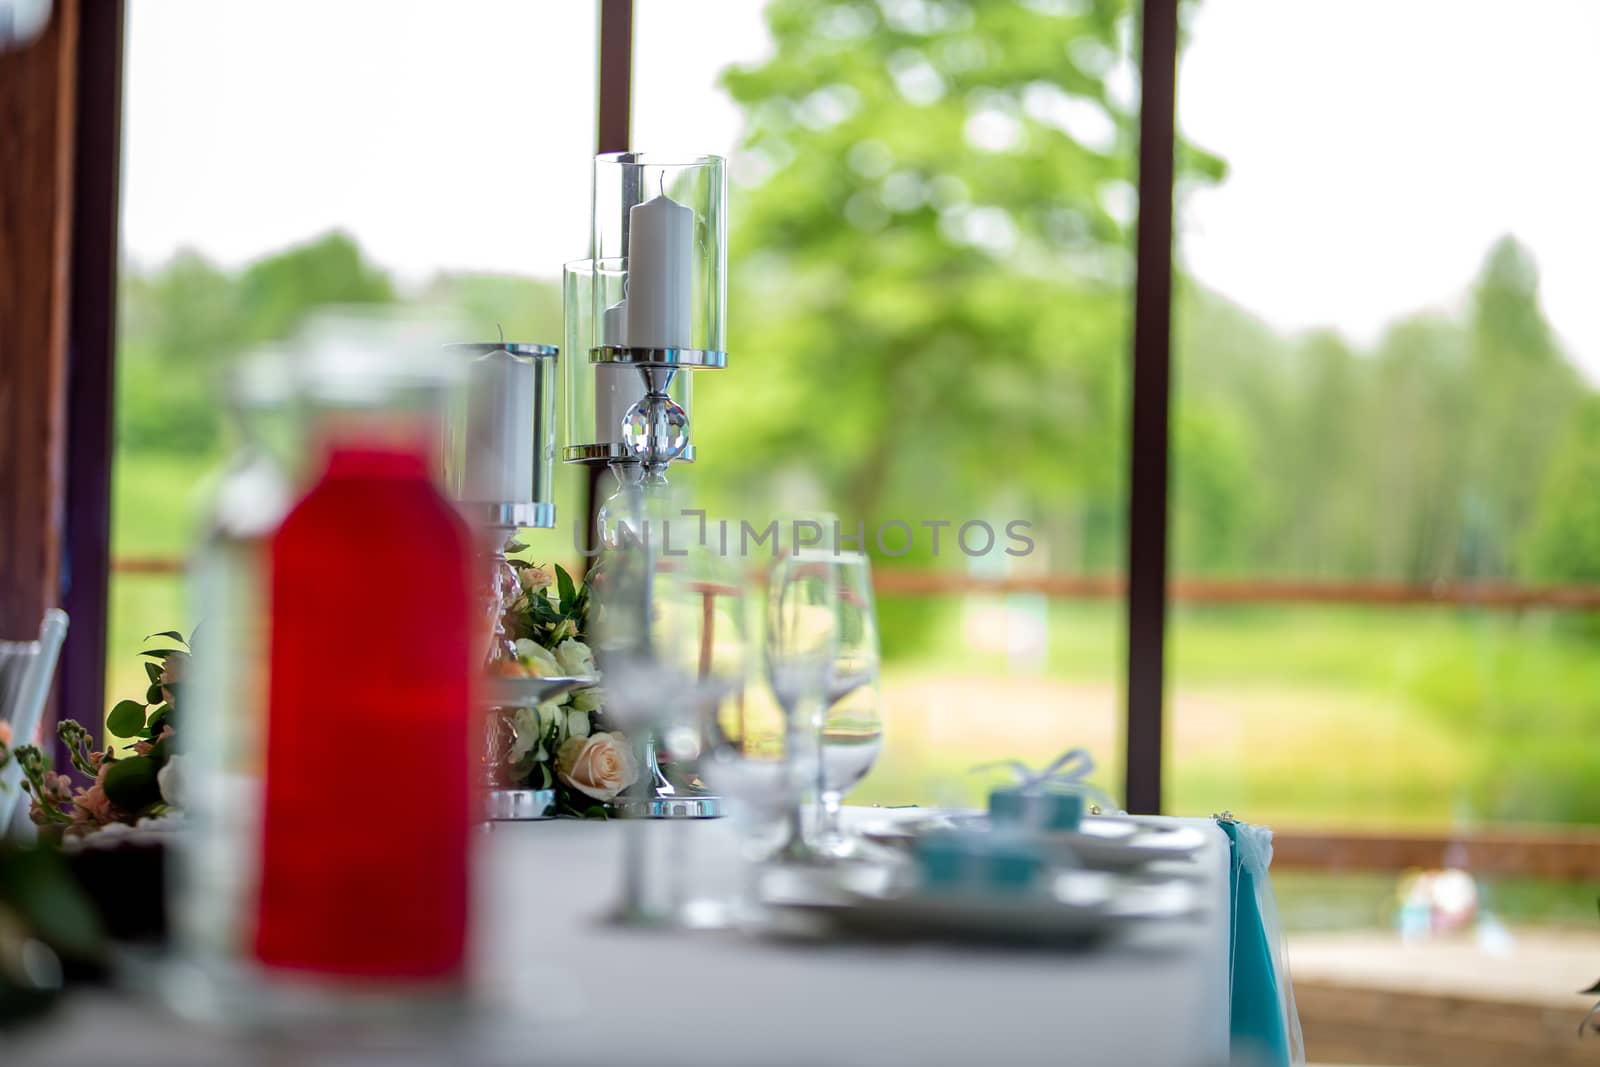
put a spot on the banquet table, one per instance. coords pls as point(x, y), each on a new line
point(564, 986)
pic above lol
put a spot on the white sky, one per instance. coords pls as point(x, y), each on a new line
point(1376, 147)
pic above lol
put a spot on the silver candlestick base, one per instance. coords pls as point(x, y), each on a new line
point(677, 807)
point(518, 805)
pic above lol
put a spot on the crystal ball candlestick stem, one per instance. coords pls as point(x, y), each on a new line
point(656, 428)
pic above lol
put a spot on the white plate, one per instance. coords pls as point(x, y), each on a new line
point(1078, 907)
point(1101, 842)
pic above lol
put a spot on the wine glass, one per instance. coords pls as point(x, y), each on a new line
point(802, 640)
point(851, 732)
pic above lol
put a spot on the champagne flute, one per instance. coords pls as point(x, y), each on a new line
point(802, 640)
point(851, 733)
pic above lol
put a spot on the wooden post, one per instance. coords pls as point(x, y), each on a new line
point(92, 350)
point(37, 112)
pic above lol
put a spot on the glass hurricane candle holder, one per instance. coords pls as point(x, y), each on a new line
point(654, 304)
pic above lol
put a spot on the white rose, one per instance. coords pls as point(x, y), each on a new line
point(551, 714)
point(576, 660)
point(533, 578)
point(587, 699)
point(539, 659)
point(600, 766)
point(577, 724)
point(525, 724)
point(169, 781)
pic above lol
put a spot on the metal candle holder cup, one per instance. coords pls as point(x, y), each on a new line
point(500, 452)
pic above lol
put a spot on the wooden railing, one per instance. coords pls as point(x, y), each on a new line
point(890, 581)
point(1557, 853)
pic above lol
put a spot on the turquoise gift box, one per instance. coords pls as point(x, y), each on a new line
point(976, 860)
point(1035, 808)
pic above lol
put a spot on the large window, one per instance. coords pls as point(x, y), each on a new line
point(1386, 431)
point(287, 156)
point(931, 267)
point(1386, 359)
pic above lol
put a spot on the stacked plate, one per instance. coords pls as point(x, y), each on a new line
point(1111, 873)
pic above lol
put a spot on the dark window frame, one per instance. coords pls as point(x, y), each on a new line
point(93, 355)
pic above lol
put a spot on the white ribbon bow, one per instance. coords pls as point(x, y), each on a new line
point(1070, 770)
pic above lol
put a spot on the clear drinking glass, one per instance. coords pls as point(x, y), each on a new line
point(802, 642)
point(851, 732)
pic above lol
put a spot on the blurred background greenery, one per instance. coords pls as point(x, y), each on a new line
point(930, 298)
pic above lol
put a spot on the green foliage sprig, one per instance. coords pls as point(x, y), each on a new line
point(125, 786)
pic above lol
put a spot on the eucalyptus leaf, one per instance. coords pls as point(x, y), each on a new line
point(175, 635)
point(153, 671)
point(153, 694)
point(163, 653)
point(564, 584)
point(126, 719)
point(130, 783)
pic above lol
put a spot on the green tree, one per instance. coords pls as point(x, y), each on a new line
point(929, 271)
point(277, 291)
point(1563, 542)
point(182, 323)
point(1522, 395)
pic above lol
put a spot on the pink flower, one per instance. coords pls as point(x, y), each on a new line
point(143, 747)
point(5, 734)
point(57, 788)
point(91, 807)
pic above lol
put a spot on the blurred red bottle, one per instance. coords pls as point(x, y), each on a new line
point(365, 830)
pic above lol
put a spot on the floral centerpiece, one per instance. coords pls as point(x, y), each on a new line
point(565, 744)
point(126, 786)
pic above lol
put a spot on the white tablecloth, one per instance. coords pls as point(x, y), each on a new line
point(586, 993)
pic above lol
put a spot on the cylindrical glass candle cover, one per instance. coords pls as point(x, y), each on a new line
point(501, 434)
point(665, 217)
point(599, 395)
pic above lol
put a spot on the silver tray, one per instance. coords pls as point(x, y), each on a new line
point(496, 692)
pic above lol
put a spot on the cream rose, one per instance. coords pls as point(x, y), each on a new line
point(576, 660)
point(600, 766)
point(533, 578)
point(539, 659)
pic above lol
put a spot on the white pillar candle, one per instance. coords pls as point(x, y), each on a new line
point(660, 269)
point(500, 445)
point(616, 388)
